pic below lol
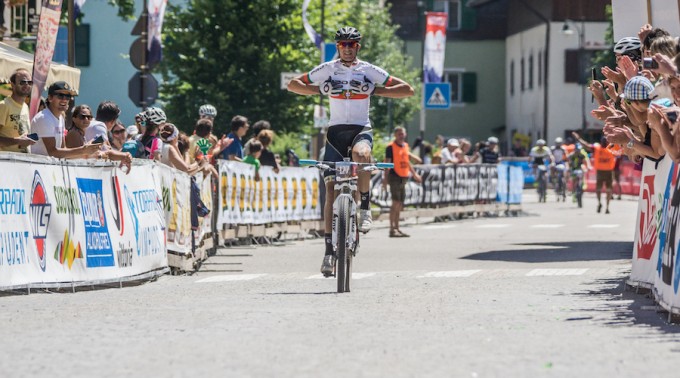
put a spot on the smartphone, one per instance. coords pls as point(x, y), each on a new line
point(98, 140)
point(672, 116)
point(649, 63)
point(33, 136)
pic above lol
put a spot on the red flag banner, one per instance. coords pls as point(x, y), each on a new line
point(44, 49)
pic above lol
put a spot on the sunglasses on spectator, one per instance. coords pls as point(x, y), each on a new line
point(119, 131)
point(63, 96)
point(84, 116)
point(350, 44)
point(25, 82)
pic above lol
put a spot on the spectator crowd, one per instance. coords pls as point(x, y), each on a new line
point(99, 134)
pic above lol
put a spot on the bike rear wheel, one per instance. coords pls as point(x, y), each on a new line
point(343, 229)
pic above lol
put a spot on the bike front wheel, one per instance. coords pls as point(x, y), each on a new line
point(343, 229)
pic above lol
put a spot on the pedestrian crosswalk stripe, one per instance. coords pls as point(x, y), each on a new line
point(453, 273)
point(225, 278)
point(547, 226)
point(493, 225)
point(556, 272)
point(603, 226)
point(439, 227)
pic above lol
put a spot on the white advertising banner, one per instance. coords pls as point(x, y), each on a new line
point(653, 190)
point(64, 223)
point(290, 195)
point(176, 206)
point(657, 234)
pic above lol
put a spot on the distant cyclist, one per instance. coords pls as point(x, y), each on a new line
point(540, 155)
point(350, 83)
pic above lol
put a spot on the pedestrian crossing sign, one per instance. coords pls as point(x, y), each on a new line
point(437, 95)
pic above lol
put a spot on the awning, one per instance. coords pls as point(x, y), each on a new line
point(12, 58)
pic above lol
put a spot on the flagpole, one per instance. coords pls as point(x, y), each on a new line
point(71, 35)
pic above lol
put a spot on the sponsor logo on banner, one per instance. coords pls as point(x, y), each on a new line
point(98, 246)
point(124, 254)
point(67, 251)
point(66, 200)
point(150, 239)
point(40, 213)
point(648, 225)
point(668, 238)
point(117, 208)
point(13, 244)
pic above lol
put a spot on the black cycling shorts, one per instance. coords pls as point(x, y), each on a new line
point(341, 138)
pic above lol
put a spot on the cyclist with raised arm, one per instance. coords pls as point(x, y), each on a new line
point(350, 83)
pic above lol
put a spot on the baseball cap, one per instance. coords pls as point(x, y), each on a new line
point(60, 86)
point(492, 140)
point(638, 89)
point(132, 130)
point(453, 142)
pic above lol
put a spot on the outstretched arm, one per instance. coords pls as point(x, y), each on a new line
point(298, 85)
point(397, 88)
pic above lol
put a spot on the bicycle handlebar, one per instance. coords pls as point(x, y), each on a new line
point(331, 164)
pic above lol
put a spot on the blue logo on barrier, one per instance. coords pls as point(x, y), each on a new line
point(98, 242)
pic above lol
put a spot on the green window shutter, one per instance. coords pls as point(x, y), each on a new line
point(469, 87)
point(468, 17)
point(82, 45)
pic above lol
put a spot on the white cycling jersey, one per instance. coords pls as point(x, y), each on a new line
point(559, 154)
point(348, 108)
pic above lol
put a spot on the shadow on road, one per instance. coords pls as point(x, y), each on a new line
point(620, 306)
point(559, 252)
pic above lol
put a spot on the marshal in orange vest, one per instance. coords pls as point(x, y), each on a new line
point(400, 158)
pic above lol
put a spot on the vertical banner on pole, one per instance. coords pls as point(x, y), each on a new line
point(156, 9)
point(47, 37)
point(435, 47)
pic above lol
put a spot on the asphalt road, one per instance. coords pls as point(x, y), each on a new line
point(537, 295)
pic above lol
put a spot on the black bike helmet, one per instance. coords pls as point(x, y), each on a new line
point(347, 33)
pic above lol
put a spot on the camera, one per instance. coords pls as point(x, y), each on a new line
point(98, 140)
point(33, 136)
point(649, 63)
point(672, 116)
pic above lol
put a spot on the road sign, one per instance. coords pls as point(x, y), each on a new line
point(150, 89)
point(330, 52)
point(437, 95)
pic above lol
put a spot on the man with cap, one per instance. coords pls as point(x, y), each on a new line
point(14, 122)
point(449, 153)
point(617, 129)
point(49, 125)
point(490, 154)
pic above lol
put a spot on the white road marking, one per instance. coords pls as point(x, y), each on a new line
point(227, 278)
point(493, 226)
point(358, 276)
point(556, 272)
point(439, 227)
point(603, 226)
point(452, 273)
point(318, 276)
point(547, 226)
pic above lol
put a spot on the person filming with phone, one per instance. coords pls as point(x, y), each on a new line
point(14, 121)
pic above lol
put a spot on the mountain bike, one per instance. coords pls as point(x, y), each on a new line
point(577, 188)
point(560, 182)
point(345, 233)
point(542, 182)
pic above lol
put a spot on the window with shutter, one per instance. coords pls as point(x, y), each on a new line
point(469, 87)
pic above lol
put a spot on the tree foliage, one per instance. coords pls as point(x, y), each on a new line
point(230, 53)
point(606, 57)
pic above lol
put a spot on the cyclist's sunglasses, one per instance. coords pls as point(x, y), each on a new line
point(350, 44)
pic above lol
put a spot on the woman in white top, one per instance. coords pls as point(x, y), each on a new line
point(169, 153)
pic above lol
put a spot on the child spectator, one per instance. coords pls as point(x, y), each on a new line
point(254, 157)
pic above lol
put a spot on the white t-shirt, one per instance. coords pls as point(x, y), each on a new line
point(96, 129)
point(446, 155)
point(46, 125)
point(165, 154)
point(349, 108)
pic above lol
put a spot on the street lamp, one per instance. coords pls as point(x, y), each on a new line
point(567, 30)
